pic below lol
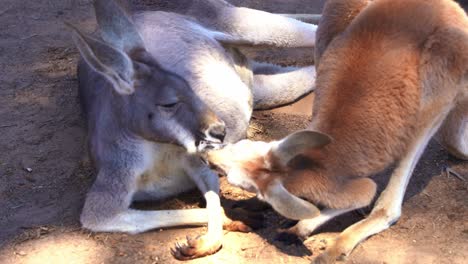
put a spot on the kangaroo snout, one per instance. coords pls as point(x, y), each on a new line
point(216, 131)
point(211, 137)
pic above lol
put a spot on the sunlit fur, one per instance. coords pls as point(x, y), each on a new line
point(390, 72)
point(155, 84)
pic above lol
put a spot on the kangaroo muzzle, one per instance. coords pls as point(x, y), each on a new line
point(212, 137)
point(216, 132)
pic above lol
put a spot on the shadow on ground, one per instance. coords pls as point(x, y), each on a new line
point(44, 174)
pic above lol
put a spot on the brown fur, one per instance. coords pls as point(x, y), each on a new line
point(262, 176)
point(374, 81)
point(389, 72)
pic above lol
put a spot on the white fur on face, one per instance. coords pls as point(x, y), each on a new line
point(246, 149)
point(185, 138)
point(236, 155)
point(238, 178)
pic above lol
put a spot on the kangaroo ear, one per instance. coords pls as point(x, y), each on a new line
point(288, 205)
point(336, 16)
point(115, 25)
point(297, 143)
point(445, 58)
point(113, 64)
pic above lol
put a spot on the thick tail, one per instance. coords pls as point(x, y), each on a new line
point(276, 86)
point(251, 27)
point(307, 18)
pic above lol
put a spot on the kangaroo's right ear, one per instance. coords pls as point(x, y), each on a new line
point(287, 204)
point(116, 26)
point(445, 58)
point(297, 143)
point(336, 16)
point(113, 64)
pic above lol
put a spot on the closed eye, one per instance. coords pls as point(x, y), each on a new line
point(168, 105)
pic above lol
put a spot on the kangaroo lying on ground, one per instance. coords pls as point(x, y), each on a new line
point(390, 74)
point(159, 87)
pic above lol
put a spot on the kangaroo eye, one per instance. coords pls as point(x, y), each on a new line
point(171, 105)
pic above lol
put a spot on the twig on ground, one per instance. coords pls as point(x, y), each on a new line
point(30, 36)
point(5, 10)
point(449, 172)
point(247, 248)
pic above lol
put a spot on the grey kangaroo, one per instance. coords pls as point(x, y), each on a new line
point(159, 87)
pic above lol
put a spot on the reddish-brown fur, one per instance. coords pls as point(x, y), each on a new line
point(370, 96)
point(389, 72)
point(382, 77)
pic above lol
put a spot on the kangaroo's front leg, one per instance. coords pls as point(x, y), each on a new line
point(208, 183)
point(106, 208)
point(305, 227)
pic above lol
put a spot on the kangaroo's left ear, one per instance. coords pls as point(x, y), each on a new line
point(297, 143)
point(444, 59)
point(337, 16)
point(287, 204)
point(113, 64)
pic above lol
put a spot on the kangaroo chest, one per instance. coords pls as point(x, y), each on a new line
point(164, 174)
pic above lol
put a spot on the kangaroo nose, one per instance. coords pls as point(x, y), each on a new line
point(217, 131)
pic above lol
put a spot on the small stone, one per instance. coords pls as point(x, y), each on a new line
point(30, 179)
point(28, 169)
point(21, 253)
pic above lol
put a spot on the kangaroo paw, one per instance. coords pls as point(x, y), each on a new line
point(195, 248)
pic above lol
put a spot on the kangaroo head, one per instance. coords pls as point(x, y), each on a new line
point(260, 167)
point(150, 101)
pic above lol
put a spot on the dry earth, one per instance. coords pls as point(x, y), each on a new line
point(44, 174)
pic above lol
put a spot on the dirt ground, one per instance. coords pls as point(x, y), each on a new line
point(44, 173)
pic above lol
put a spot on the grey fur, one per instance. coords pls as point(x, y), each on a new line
point(129, 102)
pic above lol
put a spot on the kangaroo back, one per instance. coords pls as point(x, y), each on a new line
point(390, 73)
point(375, 81)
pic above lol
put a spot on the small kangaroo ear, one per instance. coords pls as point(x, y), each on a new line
point(113, 64)
point(297, 143)
point(288, 205)
point(116, 26)
point(445, 57)
point(337, 15)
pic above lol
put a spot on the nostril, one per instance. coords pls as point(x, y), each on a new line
point(217, 131)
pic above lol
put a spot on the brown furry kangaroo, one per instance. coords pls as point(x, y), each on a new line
point(390, 74)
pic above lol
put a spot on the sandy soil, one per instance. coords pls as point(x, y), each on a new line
point(44, 173)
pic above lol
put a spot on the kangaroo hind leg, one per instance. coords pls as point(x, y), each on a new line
point(106, 208)
point(387, 209)
point(453, 134)
point(275, 86)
